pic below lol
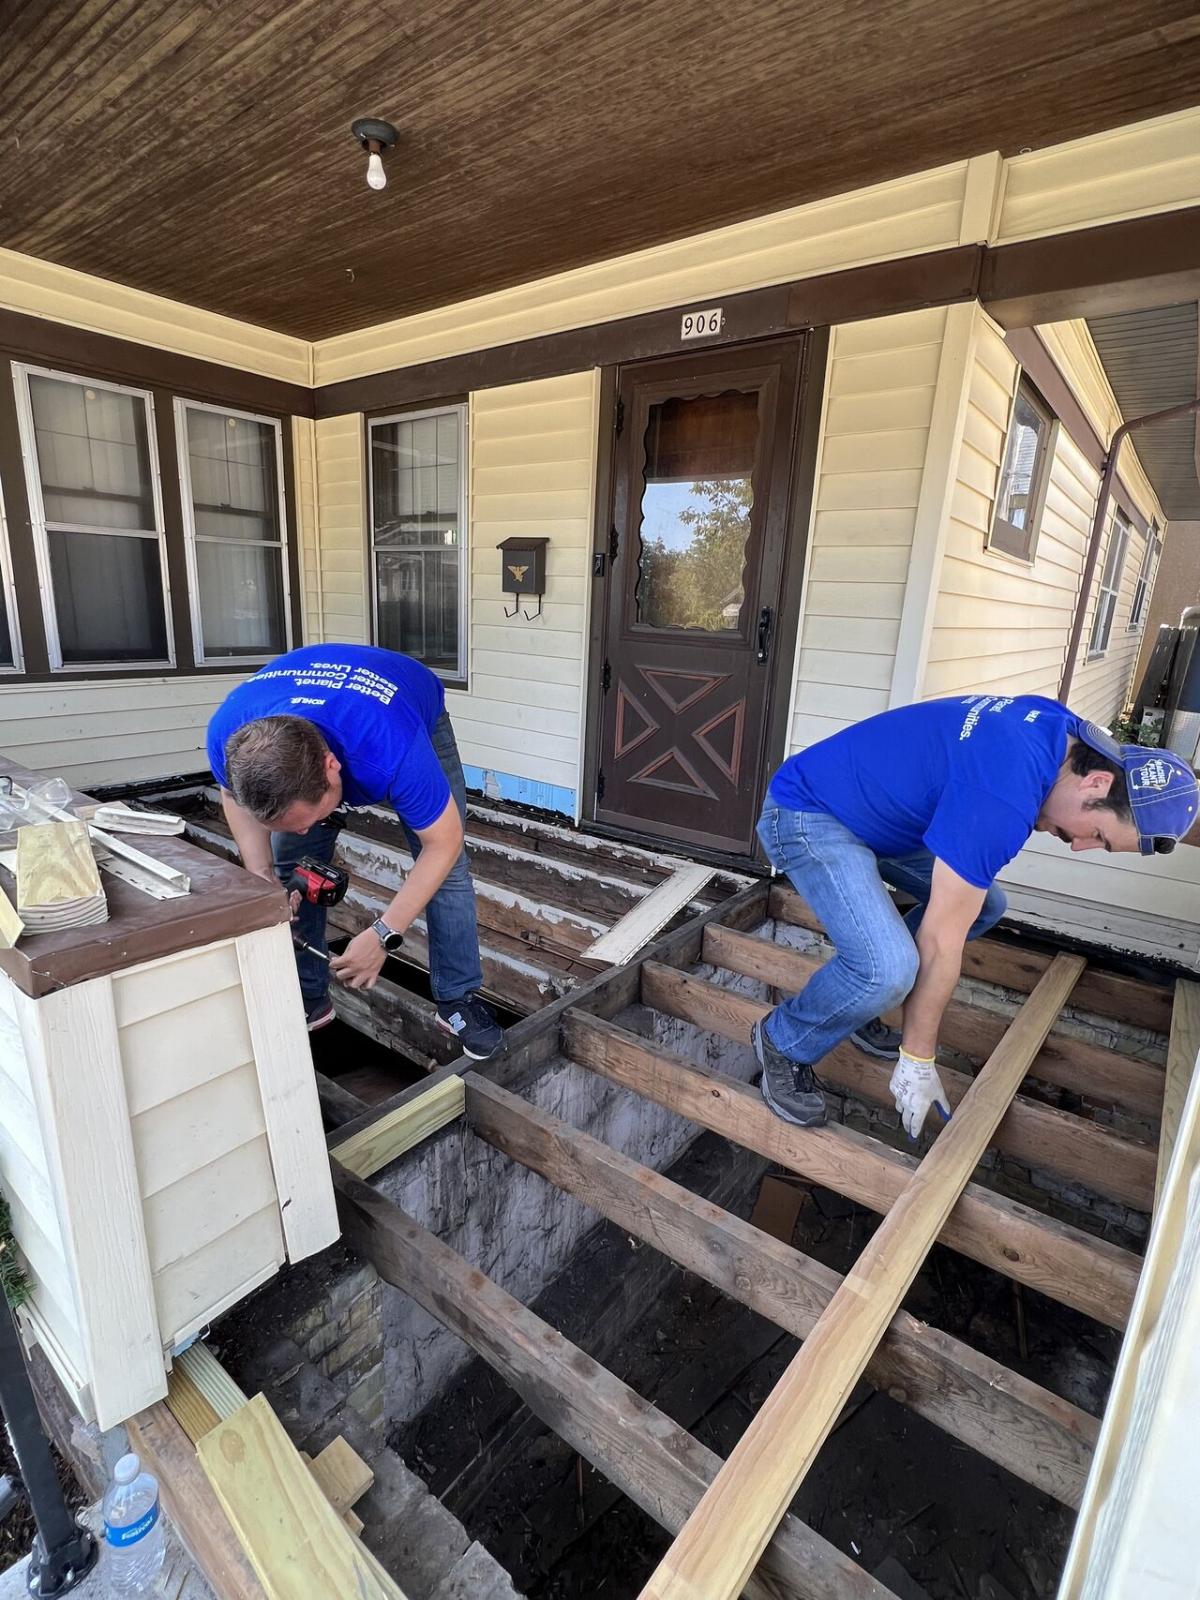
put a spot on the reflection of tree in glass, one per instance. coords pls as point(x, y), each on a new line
point(700, 586)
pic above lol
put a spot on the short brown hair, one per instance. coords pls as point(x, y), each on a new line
point(1082, 760)
point(273, 762)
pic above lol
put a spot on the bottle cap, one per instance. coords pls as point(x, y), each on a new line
point(127, 1469)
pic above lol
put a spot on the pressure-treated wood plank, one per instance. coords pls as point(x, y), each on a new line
point(192, 1409)
point(652, 1460)
point(1042, 1136)
point(291, 1108)
point(55, 862)
point(638, 926)
point(343, 1475)
point(78, 1084)
point(1107, 994)
point(1026, 1429)
point(1070, 1266)
point(11, 926)
point(721, 1544)
point(366, 1152)
point(296, 1542)
point(1182, 1050)
point(195, 1512)
point(1085, 1069)
point(198, 1372)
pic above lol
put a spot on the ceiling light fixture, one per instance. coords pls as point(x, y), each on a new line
point(375, 137)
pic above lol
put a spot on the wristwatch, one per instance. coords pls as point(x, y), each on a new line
point(388, 937)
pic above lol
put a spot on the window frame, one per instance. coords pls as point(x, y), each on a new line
point(1119, 530)
point(1004, 538)
point(41, 527)
point(460, 409)
point(191, 538)
point(1144, 585)
point(9, 598)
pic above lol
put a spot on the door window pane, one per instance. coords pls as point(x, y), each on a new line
point(93, 454)
point(696, 505)
point(233, 471)
point(418, 521)
point(107, 597)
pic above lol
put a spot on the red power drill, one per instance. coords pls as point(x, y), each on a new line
point(319, 885)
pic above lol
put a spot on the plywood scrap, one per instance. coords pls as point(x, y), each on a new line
point(650, 916)
point(1182, 1049)
point(294, 1539)
point(367, 1152)
point(720, 1545)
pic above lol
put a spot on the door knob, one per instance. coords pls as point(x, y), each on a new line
point(764, 633)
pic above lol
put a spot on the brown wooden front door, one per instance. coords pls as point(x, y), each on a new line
point(699, 523)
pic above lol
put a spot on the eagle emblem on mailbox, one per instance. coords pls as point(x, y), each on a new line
point(518, 572)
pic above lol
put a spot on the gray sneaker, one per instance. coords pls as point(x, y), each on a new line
point(789, 1087)
point(877, 1039)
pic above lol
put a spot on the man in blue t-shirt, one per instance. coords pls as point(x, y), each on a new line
point(934, 799)
point(338, 725)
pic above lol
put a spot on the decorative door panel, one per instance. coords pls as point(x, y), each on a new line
point(699, 523)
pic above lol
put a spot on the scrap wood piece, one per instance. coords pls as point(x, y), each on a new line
point(725, 1536)
point(366, 1152)
point(296, 1542)
point(1182, 1049)
point(11, 926)
point(54, 863)
point(342, 1473)
point(650, 916)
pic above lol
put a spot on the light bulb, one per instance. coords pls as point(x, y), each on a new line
point(376, 176)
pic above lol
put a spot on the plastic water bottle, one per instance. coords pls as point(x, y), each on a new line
point(133, 1533)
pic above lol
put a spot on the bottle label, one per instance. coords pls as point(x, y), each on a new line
point(122, 1538)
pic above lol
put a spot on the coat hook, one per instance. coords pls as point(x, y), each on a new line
point(536, 614)
point(514, 610)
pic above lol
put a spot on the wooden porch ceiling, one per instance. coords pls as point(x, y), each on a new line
point(201, 150)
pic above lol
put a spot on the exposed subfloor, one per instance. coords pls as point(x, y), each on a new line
point(887, 1482)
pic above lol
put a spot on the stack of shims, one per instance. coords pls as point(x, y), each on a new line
point(58, 882)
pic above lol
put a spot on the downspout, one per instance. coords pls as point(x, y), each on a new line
point(1093, 553)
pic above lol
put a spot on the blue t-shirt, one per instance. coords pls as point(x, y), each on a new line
point(376, 711)
point(963, 778)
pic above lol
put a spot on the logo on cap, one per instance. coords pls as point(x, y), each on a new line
point(1153, 774)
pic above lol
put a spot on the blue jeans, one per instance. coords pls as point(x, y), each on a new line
point(449, 916)
point(876, 962)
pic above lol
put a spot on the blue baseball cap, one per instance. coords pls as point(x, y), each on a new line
point(1163, 792)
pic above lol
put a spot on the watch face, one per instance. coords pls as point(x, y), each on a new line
point(388, 937)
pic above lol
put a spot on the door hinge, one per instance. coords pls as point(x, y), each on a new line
point(619, 415)
point(606, 677)
point(600, 785)
point(613, 543)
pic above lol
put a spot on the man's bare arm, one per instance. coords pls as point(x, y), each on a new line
point(252, 837)
point(953, 906)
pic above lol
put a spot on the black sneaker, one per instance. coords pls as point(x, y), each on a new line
point(319, 1014)
point(472, 1024)
point(877, 1039)
point(789, 1087)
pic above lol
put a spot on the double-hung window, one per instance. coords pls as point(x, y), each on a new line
point(1021, 492)
point(1145, 578)
point(1110, 585)
point(10, 637)
point(96, 508)
point(231, 481)
point(419, 536)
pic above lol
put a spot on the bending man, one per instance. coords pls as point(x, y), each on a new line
point(934, 799)
point(334, 725)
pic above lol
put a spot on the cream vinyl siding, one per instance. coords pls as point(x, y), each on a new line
point(111, 731)
point(41, 289)
point(342, 530)
point(1129, 172)
point(533, 466)
point(879, 398)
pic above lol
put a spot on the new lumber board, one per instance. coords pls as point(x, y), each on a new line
point(1032, 1433)
point(294, 1539)
point(1069, 1063)
point(721, 1543)
point(195, 1512)
point(11, 926)
point(640, 924)
point(55, 862)
point(342, 1473)
point(1074, 1148)
point(656, 1463)
point(1105, 994)
point(371, 1149)
point(1060, 1261)
point(1182, 1050)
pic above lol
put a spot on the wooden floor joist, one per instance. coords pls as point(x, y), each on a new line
point(1105, 994)
point(391, 1135)
point(1042, 1137)
point(1031, 1432)
point(720, 1546)
point(656, 1463)
point(1062, 1262)
point(1104, 1076)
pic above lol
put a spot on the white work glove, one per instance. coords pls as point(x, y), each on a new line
point(915, 1086)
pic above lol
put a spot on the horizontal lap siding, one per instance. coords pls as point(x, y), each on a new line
point(533, 463)
point(111, 731)
point(878, 402)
